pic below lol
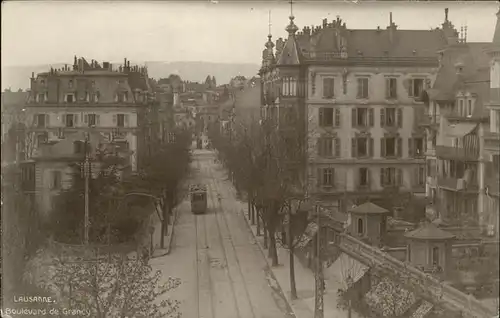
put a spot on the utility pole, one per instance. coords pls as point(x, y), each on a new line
point(86, 171)
point(319, 280)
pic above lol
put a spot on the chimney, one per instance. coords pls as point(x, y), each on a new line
point(392, 28)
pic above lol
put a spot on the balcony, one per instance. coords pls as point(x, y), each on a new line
point(451, 153)
point(456, 184)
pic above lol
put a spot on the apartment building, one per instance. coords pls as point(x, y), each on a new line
point(361, 91)
point(462, 141)
point(88, 97)
point(491, 140)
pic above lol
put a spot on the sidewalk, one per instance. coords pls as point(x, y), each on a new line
point(303, 307)
point(157, 250)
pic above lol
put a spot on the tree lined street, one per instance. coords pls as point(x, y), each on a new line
point(222, 270)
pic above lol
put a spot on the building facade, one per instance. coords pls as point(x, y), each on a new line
point(462, 139)
point(358, 94)
point(88, 97)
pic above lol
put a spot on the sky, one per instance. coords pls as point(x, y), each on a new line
point(219, 31)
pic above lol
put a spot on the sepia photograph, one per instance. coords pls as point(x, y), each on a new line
point(250, 159)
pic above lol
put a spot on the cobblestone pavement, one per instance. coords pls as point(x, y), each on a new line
point(222, 269)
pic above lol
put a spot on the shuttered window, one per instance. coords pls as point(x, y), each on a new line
point(328, 87)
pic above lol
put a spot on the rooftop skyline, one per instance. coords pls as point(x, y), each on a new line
point(233, 32)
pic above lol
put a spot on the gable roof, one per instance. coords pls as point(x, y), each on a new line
point(429, 231)
point(368, 208)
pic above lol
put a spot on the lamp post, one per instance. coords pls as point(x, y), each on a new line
point(86, 172)
point(319, 279)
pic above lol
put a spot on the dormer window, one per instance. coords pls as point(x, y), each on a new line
point(461, 109)
point(122, 97)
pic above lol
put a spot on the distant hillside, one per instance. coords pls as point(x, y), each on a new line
point(16, 77)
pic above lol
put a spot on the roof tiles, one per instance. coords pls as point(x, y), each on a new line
point(429, 231)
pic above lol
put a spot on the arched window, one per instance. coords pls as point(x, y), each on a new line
point(360, 226)
point(435, 255)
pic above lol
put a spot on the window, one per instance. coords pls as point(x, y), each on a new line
point(419, 146)
point(327, 177)
point(415, 147)
point(70, 84)
point(362, 147)
point(121, 120)
point(70, 120)
point(56, 180)
point(469, 108)
point(390, 147)
point(328, 87)
point(388, 177)
point(40, 120)
point(435, 255)
point(391, 88)
point(362, 88)
point(70, 98)
point(388, 117)
point(497, 120)
point(326, 117)
point(416, 87)
point(325, 146)
point(93, 83)
point(461, 110)
point(42, 82)
point(289, 87)
point(94, 97)
point(360, 226)
point(363, 177)
point(92, 120)
point(41, 98)
point(421, 175)
point(122, 97)
point(362, 117)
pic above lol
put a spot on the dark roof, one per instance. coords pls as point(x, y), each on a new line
point(375, 42)
point(475, 62)
point(137, 81)
point(429, 231)
point(368, 208)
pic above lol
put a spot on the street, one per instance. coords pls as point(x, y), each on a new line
point(223, 272)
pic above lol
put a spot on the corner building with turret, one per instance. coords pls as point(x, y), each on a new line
point(358, 94)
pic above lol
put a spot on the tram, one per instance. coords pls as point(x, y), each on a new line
point(198, 196)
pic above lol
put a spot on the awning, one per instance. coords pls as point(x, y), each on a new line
point(309, 233)
point(346, 266)
point(459, 129)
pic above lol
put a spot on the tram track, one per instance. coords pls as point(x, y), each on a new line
point(213, 186)
point(198, 260)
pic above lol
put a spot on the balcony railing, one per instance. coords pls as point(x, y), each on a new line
point(447, 152)
point(456, 184)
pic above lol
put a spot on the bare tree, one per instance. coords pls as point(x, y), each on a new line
point(110, 286)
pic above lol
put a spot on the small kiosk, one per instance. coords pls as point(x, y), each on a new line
point(429, 248)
